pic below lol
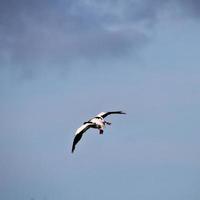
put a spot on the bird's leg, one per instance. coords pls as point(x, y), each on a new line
point(108, 123)
point(100, 131)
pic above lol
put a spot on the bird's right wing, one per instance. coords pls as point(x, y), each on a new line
point(79, 134)
point(105, 114)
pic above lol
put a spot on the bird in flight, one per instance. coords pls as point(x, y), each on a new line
point(98, 122)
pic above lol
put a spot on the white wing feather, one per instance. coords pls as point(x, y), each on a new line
point(83, 128)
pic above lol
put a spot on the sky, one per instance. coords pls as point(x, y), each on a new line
point(62, 62)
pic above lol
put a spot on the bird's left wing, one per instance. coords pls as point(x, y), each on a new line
point(79, 134)
point(105, 114)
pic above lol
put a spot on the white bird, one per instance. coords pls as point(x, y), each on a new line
point(98, 122)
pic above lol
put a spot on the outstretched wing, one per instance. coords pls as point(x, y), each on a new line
point(79, 134)
point(105, 114)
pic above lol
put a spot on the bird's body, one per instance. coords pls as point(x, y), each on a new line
point(98, 122)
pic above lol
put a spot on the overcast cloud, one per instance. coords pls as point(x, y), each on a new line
point(42, 33)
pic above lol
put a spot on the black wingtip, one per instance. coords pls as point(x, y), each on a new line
point(118, 112)
point(73, 148)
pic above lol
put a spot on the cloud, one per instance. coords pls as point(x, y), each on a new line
point(191, 7)
point(43, 32)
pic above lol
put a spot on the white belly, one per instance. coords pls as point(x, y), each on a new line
point(98, 122)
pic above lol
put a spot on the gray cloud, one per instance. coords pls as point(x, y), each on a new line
point(191, 6)
point(43, 32)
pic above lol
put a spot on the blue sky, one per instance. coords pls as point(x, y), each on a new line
point(63, 62)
